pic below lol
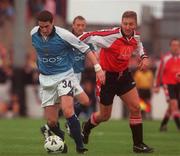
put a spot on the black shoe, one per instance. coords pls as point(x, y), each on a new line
point(85, 134)
point(45, 131)
point(163, 128)
point(142, 148)
point(81, 150)
point(65, 150)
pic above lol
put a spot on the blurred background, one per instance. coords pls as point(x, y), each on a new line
point(158, 22)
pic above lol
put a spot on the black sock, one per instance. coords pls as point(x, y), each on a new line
point(177, 121)
point(57, 131)
point(165, 121)
point(75, 129)
point(78, 108)
point(88, 126)
point(137, 133)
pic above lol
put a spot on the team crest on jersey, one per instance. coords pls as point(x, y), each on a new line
point(125, 53)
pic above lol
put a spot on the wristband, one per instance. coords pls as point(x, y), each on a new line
point(97, 67)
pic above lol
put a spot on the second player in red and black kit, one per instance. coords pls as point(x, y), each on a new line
point(168, 74)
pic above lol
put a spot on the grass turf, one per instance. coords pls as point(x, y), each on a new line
point(21, 137)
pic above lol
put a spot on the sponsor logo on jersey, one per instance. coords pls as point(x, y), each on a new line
point(51, 59)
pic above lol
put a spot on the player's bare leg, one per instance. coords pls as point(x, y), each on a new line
point(52, 126)
point(73, 122)
point(102, 115)
point(131, 99)
point(81, 105)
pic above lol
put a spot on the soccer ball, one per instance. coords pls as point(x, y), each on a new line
point(54, 144)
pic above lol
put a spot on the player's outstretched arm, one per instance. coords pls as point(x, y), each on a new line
point(99, 72)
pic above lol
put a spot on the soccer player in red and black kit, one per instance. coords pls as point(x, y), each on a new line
point(117, 46)
point(168, 74)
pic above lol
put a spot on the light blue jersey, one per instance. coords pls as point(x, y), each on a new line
point(54, 54)
point(78, 59)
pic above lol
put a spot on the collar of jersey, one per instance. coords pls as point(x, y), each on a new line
point(51, 34)
point(125, 35)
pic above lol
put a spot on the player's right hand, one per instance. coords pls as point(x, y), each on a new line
point(144, 64)
point(100, 75)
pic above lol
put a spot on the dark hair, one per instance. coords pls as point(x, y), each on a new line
point(130, 14)
point(78, 17)
point(45, 16)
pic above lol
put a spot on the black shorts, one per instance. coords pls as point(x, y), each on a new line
point(144, 94)
point(173, 91)
point(116, 84)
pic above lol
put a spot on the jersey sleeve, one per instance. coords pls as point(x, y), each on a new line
point(72, 40)
point(159, 74)
point(140, 49)
point(34, 30)
point(100, 38)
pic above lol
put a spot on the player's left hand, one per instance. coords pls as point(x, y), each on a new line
point(100, 75)
point(143, 64)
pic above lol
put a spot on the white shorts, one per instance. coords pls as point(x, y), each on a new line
point(77, 87)
point(54, 86)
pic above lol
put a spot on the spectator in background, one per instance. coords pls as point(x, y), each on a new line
point(7, 11)
point(4, 86)
point(61, 11)
point(7, 106)
point(7, 16)
point(53, 6)
point(33, 8)
point(56, 7)
point(30, 69)
point(31, 74)
point(50, 5)
point(168, 74)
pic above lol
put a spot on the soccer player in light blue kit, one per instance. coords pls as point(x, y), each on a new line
point(54, 47)
point(78, 59)
point(78, 28)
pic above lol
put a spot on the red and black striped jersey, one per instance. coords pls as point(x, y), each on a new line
point(116, 49)
point(167, 70)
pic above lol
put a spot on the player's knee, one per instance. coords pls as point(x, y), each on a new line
point(84, 101)
point(68, 113)
point(135, 109)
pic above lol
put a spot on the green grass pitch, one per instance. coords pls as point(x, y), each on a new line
point(21, 137)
